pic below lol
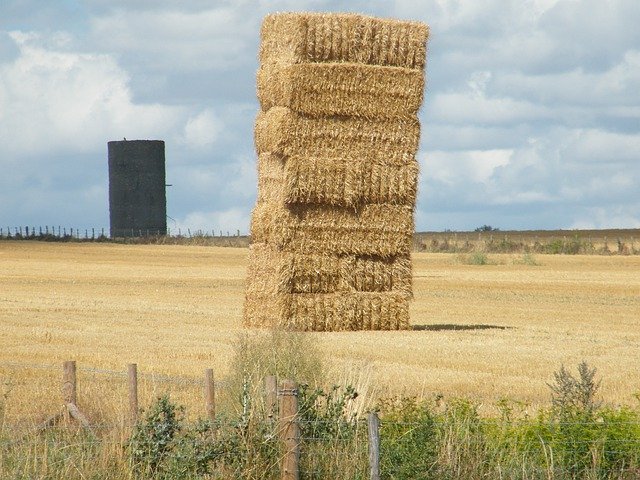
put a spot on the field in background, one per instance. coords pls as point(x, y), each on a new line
point(590, 242)
point(483, 331)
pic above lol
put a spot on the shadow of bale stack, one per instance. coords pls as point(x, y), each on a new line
point(336, 140)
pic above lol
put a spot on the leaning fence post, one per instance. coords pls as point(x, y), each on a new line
point(132, 370)
point(271, 390)
point(210, 394)
point(374, 446)
point(69, 382)
point(289, 430)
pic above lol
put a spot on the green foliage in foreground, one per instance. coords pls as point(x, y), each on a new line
point(575, 438)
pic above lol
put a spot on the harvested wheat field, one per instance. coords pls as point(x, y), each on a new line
point(483, 331)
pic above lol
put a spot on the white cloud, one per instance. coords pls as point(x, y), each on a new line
point(592, 145)
point(613, 217)
point(474, 107)
point(202, 130)
point(177, 39)
point(615, 86)
point(455, 167)
point(530, 117)
point(54, 101)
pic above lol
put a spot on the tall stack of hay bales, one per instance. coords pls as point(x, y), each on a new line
point(336, 140)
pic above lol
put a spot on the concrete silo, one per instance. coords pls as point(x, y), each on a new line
point(137, 198)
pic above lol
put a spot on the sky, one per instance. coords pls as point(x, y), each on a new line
point(531, 114)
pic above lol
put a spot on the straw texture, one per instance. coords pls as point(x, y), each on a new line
point(336, 139)
point(385, 141)
point(340, 181)
point(328, 312)
point(350, 89)
point(314, 273)
point(318, 37)
point(381, 230)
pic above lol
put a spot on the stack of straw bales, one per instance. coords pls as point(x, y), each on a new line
point(336, 140)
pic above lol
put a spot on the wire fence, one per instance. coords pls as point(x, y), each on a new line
point(58, 232)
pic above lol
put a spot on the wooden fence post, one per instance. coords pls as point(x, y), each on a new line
point(289, 430)
point(69, 393)
point(132, 370)
point(210, 394)
point(374, 446)
point(271, 390)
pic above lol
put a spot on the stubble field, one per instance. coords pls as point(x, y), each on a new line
point(480, 331)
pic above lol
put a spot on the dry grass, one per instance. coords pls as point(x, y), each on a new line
point(177, 310)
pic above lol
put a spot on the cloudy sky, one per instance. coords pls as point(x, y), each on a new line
point(531, 117)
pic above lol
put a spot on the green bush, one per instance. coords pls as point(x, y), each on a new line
point(153, 438)
point(408, 439)
point(477, 258)
point(575, 438)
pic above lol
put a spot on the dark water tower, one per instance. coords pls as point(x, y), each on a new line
point(137, 198)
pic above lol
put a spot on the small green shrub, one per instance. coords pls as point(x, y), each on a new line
point(153, 437)
point(573, 246)
point(527, 259)
point(478, 258)
point(163, 446)
point(409, 439)
point(574, 432)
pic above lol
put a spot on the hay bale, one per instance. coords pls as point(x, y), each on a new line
point(341, 181)
point(293, 272)
point(328, 312)
point(375, 229)
point(384, 141)
point(271, 178)
point(322, 37)
point(351, 89)
point(336, 139)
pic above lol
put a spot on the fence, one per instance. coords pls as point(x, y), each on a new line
point(290, 440)
point(70, 233)
point(281, 401)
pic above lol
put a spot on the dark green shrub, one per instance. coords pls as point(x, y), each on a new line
point(574, 432)
point(153, 437)
point(408, 440)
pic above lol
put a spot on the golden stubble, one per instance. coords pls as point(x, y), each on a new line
point(482, 331)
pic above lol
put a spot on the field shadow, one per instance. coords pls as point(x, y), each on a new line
point(452, 326)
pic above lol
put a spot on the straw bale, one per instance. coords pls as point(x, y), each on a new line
point(373, 229)
point(321, 89)
point(329, 312)
point(386, 142)
point(292, 272)
point(289, 272)
point(373, 274)
point(271, 178)
point(321, 37)
point(337, 181)
point(348, 182)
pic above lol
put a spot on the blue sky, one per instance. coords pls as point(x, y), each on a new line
point(531, 117)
